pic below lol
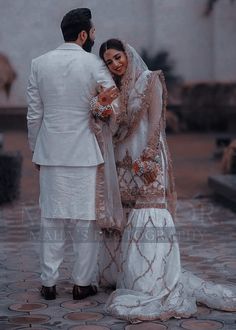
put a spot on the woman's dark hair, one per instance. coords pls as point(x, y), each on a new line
point(112, 44)
point(74, 22)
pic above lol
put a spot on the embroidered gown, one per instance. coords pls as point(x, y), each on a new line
point(144, 264)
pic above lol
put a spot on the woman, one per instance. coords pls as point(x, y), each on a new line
point(150, 282)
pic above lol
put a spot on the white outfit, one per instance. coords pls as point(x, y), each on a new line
point(85, 237)
point(145, 263)
point(68, 192)
point(61, 85)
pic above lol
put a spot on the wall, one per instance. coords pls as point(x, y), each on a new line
point(181, 28)
point(225, 41)
point(202, 48)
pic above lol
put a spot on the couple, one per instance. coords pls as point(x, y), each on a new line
point(73, 113)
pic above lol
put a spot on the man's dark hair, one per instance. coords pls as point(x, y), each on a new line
point(74, 22)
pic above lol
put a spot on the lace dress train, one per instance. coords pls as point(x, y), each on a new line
point(151, 283)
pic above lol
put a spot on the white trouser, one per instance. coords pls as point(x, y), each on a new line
point(85, 236)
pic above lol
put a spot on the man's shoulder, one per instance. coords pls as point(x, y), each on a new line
point(42, 57)
point(92, 57)
point(90, 61)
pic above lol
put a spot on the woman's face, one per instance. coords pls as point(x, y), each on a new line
point(116, 61)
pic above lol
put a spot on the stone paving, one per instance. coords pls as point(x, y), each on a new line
point(208, 249)
point(207, 237)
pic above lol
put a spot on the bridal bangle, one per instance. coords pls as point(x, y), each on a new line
point(98, 110)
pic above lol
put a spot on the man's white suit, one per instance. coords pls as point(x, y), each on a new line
point(61, 85)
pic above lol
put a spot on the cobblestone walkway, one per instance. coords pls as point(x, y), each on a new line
point(207, 236)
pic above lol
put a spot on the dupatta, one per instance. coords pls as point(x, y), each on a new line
point(144, 91)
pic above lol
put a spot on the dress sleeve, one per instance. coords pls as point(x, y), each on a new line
point(155, 114)
point(149, 160)
point(155, 111)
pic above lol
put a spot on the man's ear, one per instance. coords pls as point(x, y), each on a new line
point(83, 36)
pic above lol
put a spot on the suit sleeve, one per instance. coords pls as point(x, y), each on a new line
point(35, 108)
point(103, 78)
point(101, 75)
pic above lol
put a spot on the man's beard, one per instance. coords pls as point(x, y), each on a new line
point(88, 45)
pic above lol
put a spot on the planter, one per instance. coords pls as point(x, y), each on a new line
point(10, 174)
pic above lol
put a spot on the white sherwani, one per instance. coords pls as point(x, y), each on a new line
point(61, 85)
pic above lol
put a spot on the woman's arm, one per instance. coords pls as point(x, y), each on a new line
point(154, 118)
point(147, 165)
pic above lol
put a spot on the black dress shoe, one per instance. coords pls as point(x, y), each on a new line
point(48, 292)
point(81, 292)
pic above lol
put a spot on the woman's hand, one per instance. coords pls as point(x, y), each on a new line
point(146, 170)
point(149, 177)
point(101, 104)
point(107, 95)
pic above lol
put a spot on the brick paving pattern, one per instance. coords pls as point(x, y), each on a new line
point(206, 232)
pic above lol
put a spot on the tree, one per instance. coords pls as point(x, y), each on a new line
point(161, 61)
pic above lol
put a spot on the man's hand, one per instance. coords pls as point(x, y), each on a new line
point(108, 95)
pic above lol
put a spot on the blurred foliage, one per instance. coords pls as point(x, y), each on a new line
point(161, 61)
point(210, 5)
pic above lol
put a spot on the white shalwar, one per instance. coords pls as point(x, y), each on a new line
point(67, 196)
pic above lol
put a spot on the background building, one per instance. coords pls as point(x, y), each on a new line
point(202, 48)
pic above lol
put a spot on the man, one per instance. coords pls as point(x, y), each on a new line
point(61, 85)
